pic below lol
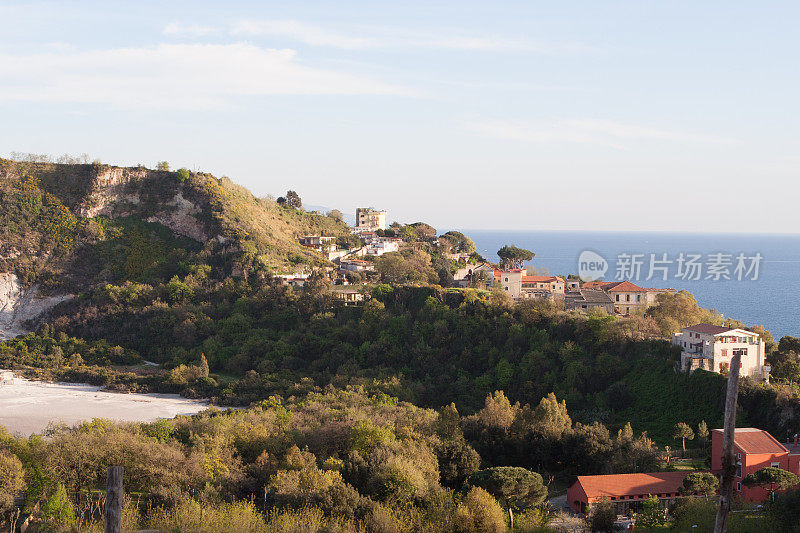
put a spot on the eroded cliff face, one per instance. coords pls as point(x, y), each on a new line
point(116, 192)
point(19, 305)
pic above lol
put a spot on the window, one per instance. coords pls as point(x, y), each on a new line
point(738, 455)
point(638, 297)
point(739, 351)
point(724, 353)
point(738, 487)
point(739, 470)
point(775, 465)
point(627, 297)
point(506, 279)
point(506, 288)
point(617, 297)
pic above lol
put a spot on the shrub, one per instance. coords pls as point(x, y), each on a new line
point(479, 513)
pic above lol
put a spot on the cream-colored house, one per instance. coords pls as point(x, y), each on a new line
point(627, 297)
point(711, 348)
point(369, 219)
point(519, 285)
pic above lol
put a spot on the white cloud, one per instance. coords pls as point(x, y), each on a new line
point(372, 37)
point(300, 32)
point(599, 132)
point(176, 29)
point(171, 76)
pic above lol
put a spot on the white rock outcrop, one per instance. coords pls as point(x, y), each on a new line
point(18, 305)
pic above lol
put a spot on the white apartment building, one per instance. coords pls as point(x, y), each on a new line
point(711, 348)
point(382, 245)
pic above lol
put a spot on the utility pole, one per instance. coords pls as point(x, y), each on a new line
point(728, 461)
point(113, 510)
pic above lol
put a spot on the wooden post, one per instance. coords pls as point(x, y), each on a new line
point(113, 511)
point(728, 460)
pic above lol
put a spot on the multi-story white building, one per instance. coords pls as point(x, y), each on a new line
point(711, 348)
point(382, 245)
point(369, 219)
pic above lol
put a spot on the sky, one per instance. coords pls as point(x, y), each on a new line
point(540, 115)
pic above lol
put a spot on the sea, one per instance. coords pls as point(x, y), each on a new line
point(752, 278)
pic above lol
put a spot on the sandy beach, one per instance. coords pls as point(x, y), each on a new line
point(27, 407)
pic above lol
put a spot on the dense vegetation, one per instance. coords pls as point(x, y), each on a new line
point(426, 408)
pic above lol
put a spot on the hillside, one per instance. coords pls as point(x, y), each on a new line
point(67, 228)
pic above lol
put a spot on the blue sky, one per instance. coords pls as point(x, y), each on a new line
point(673, 116)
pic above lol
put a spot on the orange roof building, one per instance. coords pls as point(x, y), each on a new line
point(626, 491)
point(753, 450)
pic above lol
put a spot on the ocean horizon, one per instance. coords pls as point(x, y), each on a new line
point(767, 297)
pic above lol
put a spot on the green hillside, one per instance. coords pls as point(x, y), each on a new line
point(67, 226)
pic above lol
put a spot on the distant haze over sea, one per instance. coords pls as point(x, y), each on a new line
point(773, 300)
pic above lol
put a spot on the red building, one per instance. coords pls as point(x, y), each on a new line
point(753, 450)
point(625, 491)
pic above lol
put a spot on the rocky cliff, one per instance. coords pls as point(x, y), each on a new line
point(19, 305)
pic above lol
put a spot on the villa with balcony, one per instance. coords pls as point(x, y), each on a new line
point(709, 347)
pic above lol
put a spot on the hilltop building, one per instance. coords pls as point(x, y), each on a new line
point(585, 299)
point(754, 449)
point(369, 219)
point(711, 347)
point(519, 285)
point(627, 297)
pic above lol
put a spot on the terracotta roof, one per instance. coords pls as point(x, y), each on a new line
point(538, 279)
point(632, 484)
point(756, 441)
point(626, 286)
point(600, 284)
point(708, 329)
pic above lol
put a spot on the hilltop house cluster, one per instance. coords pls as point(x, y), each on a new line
point(370, 225)
point(614, 297)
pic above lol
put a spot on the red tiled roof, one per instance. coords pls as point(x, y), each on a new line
point(631, 484)
point(600, 284)
point(626, 286)
point(539, 279)
point(708, 329)
point(756, 441)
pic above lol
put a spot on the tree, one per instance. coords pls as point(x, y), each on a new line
point(336, 214)
point(773, 479)
point(162, 165)
point(517, 486)
point(683, 431)
point(479, 513)
point(423, 230)
point(293, 200)
point(203, 366)
point(12, 480)
point(702, 433)
point(700, 483)
point(459, 242)
point(602, 516)
point(281, 201)
point(513, 257)
point(550, 417)
point(652, 515)
point(183, 174)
